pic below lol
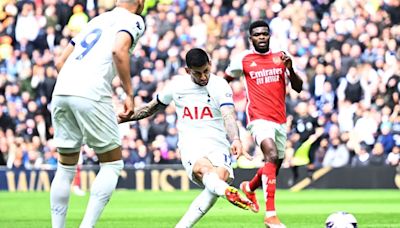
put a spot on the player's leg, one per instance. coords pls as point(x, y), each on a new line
point(268, 177)
point(215, 180)
point(61, 187)
point(103, 186)
point(260, 130)
point(197, 209)
point(206, 199)
point(274, 153)
point(201, 171)
point(102, 134)
point(67, 139)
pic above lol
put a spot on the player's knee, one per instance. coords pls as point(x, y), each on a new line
point(223, 174)
point(116, 166)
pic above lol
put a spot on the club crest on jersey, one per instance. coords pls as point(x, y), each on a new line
point(277, 60)
point(196, 113)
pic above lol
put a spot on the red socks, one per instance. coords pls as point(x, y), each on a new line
point(269, 185)
point(267, 177)
point(256, 181)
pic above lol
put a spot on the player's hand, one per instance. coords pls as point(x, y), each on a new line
point(237, 149)
point(287, 61)
point(129, 106)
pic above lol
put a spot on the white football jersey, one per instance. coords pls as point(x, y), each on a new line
point(89, 69)
point(198, 109)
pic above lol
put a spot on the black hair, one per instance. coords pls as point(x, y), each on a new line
point(256, 24)
point(196, 57)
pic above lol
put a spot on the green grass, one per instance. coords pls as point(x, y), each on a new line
point(305, 209)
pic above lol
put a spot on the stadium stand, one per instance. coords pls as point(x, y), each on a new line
point(347, 53)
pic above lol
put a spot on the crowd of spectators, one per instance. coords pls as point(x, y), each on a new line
point(347, 52)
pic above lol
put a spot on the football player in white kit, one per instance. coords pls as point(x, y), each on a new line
point(208, 133)
point(82, 111)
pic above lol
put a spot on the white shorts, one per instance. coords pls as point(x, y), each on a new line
point(262, 129)
point(219, 156)
point(78, 120)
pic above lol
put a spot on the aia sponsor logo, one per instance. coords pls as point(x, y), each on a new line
point(196, 113)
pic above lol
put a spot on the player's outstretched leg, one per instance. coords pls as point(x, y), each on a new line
point(244, 186)
point(197, 209)
point(219, 187)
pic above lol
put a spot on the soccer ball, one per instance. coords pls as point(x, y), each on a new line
point(341, 219)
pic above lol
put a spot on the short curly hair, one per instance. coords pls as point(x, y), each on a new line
point(256, 24)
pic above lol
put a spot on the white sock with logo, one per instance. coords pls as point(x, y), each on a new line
point(214, 184)
point(197, 209)
point(101, 191)
point(59, 194)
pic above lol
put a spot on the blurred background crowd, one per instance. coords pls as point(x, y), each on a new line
point(347, 52)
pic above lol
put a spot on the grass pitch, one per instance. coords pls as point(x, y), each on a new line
point(305, 209)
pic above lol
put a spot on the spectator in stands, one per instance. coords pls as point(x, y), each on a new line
point(386, 137)
point(147, 86)
point(393, 158)
point(362, 156)
point(337, 154)
point(378, 157)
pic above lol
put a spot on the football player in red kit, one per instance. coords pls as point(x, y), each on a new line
point(266, 74)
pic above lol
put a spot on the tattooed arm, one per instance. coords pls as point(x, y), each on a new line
point(232, 130)
point(229, 117)
point(145, 111)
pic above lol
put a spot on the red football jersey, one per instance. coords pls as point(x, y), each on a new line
point(265, 81)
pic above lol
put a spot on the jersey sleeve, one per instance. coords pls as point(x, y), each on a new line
point(220, 91)
point(134, 26)
point(165, 96)
point(235, 68)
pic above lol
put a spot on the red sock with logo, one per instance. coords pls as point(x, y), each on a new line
point(269, 186)
point(256, 181)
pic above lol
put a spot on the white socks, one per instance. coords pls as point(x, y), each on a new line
point(101, 191)
point(214, 184)
point(59, 194)
point(197, 209)
point(215, 187)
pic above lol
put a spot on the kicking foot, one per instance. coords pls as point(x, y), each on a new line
point(273, 222)
point(232, 195)
point(251, 196)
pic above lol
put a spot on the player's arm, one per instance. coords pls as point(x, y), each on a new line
point(295, 80)
point(228, 78)
point(145, 111)
point(121, 58)
point(59, 62)
point(234, 69)
point(232, 130)
point(229, 117)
